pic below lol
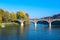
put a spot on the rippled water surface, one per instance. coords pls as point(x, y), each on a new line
point(41, 32)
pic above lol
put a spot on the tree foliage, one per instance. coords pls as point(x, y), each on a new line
point(2, 12)
point(13, 16)
point(27, 15)
point(21, 14)
point(6, 16)
point(0, 18)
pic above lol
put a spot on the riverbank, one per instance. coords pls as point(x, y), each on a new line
point(8, 24)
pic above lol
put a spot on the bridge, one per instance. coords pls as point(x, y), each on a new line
point(35, 20)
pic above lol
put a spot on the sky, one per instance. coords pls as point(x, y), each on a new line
point(35, 8)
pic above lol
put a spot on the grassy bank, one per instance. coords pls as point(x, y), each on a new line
point(8, 24)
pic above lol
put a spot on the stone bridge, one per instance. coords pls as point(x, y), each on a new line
point(35, 20)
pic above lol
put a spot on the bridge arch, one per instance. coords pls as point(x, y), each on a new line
point(16, 21)
point(21, 22)
point(43, 21)
point(31, 21)
point(55, 22)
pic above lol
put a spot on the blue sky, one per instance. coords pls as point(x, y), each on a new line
point(35, 8)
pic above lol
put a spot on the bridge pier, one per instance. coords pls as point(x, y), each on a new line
point(49, 21)
point(22, 23)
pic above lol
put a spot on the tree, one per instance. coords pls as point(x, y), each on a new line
point(6, 16)
point(1, 14)
point(0, 18)
point(13, 16)
point(21, 14)
point(27, 15)
point(1, 11)
point(27, 21)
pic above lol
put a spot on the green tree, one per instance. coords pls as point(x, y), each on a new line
point(6, 16)
point(27, 15)
point(1, 11)
point(21, 14)
point(27, 21)
point(1, 14)
point(13, 16)
point(0, 18)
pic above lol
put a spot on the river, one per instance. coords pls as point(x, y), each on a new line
point(41, 32)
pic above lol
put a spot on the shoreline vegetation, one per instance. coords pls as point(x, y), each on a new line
point(6, 17)
point(8, 24)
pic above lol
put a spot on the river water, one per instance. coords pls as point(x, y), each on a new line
point(41, 32)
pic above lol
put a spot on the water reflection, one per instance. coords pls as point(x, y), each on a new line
point(21, 30)
point(4, 34)
point(35, 27)
point(29, 33)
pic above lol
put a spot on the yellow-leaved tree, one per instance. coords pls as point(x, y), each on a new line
point(6, 16)
point(27, 21)
point(21, 14)
point(0, 18)
point(13, 16)
point(1, 14)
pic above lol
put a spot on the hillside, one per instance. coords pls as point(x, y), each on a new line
point(56, 16)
